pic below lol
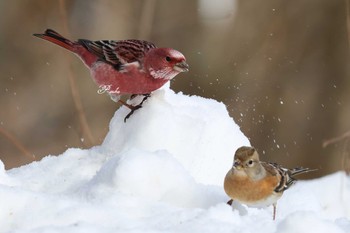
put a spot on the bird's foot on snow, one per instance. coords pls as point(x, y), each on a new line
point(132, 107)
point(144, 98)
point(132, 111)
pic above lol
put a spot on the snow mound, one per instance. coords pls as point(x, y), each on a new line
point(161, 171)
point(198, 132)
point(156, 176)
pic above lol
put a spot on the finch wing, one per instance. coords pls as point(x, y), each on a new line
point(285, 177)
point(118, 53)
point(271, 168)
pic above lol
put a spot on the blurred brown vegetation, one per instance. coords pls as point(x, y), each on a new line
point(281, 67)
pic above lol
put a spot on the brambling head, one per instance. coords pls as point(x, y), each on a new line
point(246, 157)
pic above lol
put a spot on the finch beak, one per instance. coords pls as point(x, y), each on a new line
point(181, 67)
point(237, 165)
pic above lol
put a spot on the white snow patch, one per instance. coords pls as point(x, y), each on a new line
point(198, 132)
point(161, 171)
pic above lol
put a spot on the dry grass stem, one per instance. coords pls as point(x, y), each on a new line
point(146, 19)
point(17, 143)
point(86, 131)
point(336, 139)
point(347, 4)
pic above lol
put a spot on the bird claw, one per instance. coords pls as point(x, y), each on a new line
point(134, 108)
point(132, 111)
point(145, 96)
point(229, 202)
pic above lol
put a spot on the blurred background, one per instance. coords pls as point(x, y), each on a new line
point(280, 67)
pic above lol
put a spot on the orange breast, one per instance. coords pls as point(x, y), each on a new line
point(248, 191)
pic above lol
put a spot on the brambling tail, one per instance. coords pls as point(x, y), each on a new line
point(287, 178)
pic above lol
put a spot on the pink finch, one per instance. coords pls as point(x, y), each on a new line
point(123, 67)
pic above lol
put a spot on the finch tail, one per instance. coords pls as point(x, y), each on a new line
point(300, 170)
point(54, 37)
point(287, 177)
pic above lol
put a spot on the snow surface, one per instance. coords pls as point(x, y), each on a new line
point(161, 171)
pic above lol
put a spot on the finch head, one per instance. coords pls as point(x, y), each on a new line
point(165, 63)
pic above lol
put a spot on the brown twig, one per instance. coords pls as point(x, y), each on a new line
point(345, 154)
point(86, 132)
point(346, 136)
point(146, 19)
point(336, 139)
point(346, 157)
point(16, 143)
point(347, 4)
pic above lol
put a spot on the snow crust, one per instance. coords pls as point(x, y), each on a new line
point(161, 171)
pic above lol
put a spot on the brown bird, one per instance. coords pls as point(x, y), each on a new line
point(256, 183)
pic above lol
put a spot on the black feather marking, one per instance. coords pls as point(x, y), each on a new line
point(57, 36)
point(118, 53)
point(284, 179)
point(287, 176)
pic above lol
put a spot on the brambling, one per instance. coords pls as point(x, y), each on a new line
point(256, 183)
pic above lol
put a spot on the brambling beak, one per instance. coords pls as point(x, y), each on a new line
point(237, 165)
point(181, 67)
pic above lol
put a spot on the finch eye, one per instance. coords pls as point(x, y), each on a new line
point(250, 162)
point(167, 58)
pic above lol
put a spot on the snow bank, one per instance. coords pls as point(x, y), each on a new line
point(198, 132)
point(162, 171)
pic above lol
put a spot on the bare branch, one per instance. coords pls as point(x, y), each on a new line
point(336, 139)
point(16, 143)
point(347, 4)
point(146, 19)
point(86, 131)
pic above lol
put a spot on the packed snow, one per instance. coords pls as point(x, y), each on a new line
point(161, 171)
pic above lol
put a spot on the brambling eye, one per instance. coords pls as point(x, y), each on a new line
point(167, 58)
point(250, 163)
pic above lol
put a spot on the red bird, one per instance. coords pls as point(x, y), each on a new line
point(123, 67)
